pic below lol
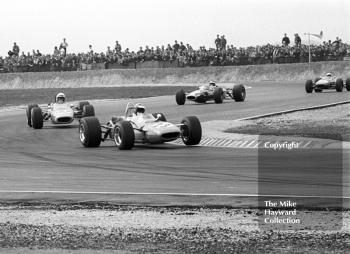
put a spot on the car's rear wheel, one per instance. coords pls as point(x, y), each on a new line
point(339, 85)
point(29, 113)
point(90, 131)
point(180, 97)
point(309, 86)
point(238, 92)
point(218, 95)
point(161, 116)
point(37, 118)
point(347, 84)
point(191, 130)
point(81, 105)
point(88, 110)
point(123, 135)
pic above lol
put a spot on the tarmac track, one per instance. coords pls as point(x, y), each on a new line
point(50, 164)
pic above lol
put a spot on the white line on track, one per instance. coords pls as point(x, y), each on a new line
point(166, 193)
point(293, 110)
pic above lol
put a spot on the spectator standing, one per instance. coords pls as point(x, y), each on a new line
point(117, 47)
point(15, 49)
point(176, 46)
point(297, 40)
point(218, 42)
point(56, 51)
point(285, 40)
point(63, 46)
point(223, 43)
point(91, 51)
point(182, 46)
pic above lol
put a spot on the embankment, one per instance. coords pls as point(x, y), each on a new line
point(227, 74)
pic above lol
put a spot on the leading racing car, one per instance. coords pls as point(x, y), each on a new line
point(59, 112)
point(329, 81)
point(138, 127)
point(209, 92)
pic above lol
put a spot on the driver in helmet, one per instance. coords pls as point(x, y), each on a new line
point(208, 88)
point(329, 76)
point(212, 85)
point(139, 109)
point(60, 98)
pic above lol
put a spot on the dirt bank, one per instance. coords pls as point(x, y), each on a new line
point(227, 74)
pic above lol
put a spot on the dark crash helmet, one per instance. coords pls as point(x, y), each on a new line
point(212, 83)
point(139, 109)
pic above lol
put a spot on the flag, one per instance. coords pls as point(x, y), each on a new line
point(320, 36)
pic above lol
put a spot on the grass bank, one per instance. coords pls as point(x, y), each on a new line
point(327, 123)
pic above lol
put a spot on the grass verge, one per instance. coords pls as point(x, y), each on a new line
point(13, 97)
point(327, 123)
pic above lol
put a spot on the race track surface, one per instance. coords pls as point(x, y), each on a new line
point(53, 160)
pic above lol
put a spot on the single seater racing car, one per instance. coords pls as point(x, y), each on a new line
point(59, 112)
point(329, 81)
point(138, 127)
point(211, 92)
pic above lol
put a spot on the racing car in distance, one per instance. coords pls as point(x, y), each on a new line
point(59, 112)
point(138, 127)
point(329, 81)
point(211, 92)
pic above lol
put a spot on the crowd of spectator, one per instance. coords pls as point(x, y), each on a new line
point(223, 54)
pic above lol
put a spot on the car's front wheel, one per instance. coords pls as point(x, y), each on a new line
point(309, 86)
point(218, 95)
point(90, 131)
point(29, 113)
point(347, 84)
point(191, 130)
point(239, 93)
point(339, 85)
point(180, 97)
point(37, 118)
point(123, 135)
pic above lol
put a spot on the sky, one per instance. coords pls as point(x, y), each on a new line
point(42, 24)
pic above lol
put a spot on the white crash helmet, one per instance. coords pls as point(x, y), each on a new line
point(139, 108)
point(212, 83)
point(60, 96)
point(329, 74)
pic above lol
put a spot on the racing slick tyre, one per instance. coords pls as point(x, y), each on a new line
point(161, 118)
point(37, 118)
point(191, 130)
point(309, 86)
point(90, 131)
point(81, 105)
point(347, 84)
point(317, 90)
point(124, 136)
point(180, 97)
point(88, 110)
point(339, 85)
point(238, 93)
point(218, 95)
point(29, 113)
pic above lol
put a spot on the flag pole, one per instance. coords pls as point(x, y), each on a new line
point(309, 42)
point(309, 49)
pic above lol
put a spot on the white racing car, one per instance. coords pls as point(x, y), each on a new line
point(138, 127)
point(211, 92)
point(329, 81)
point(59, 112)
